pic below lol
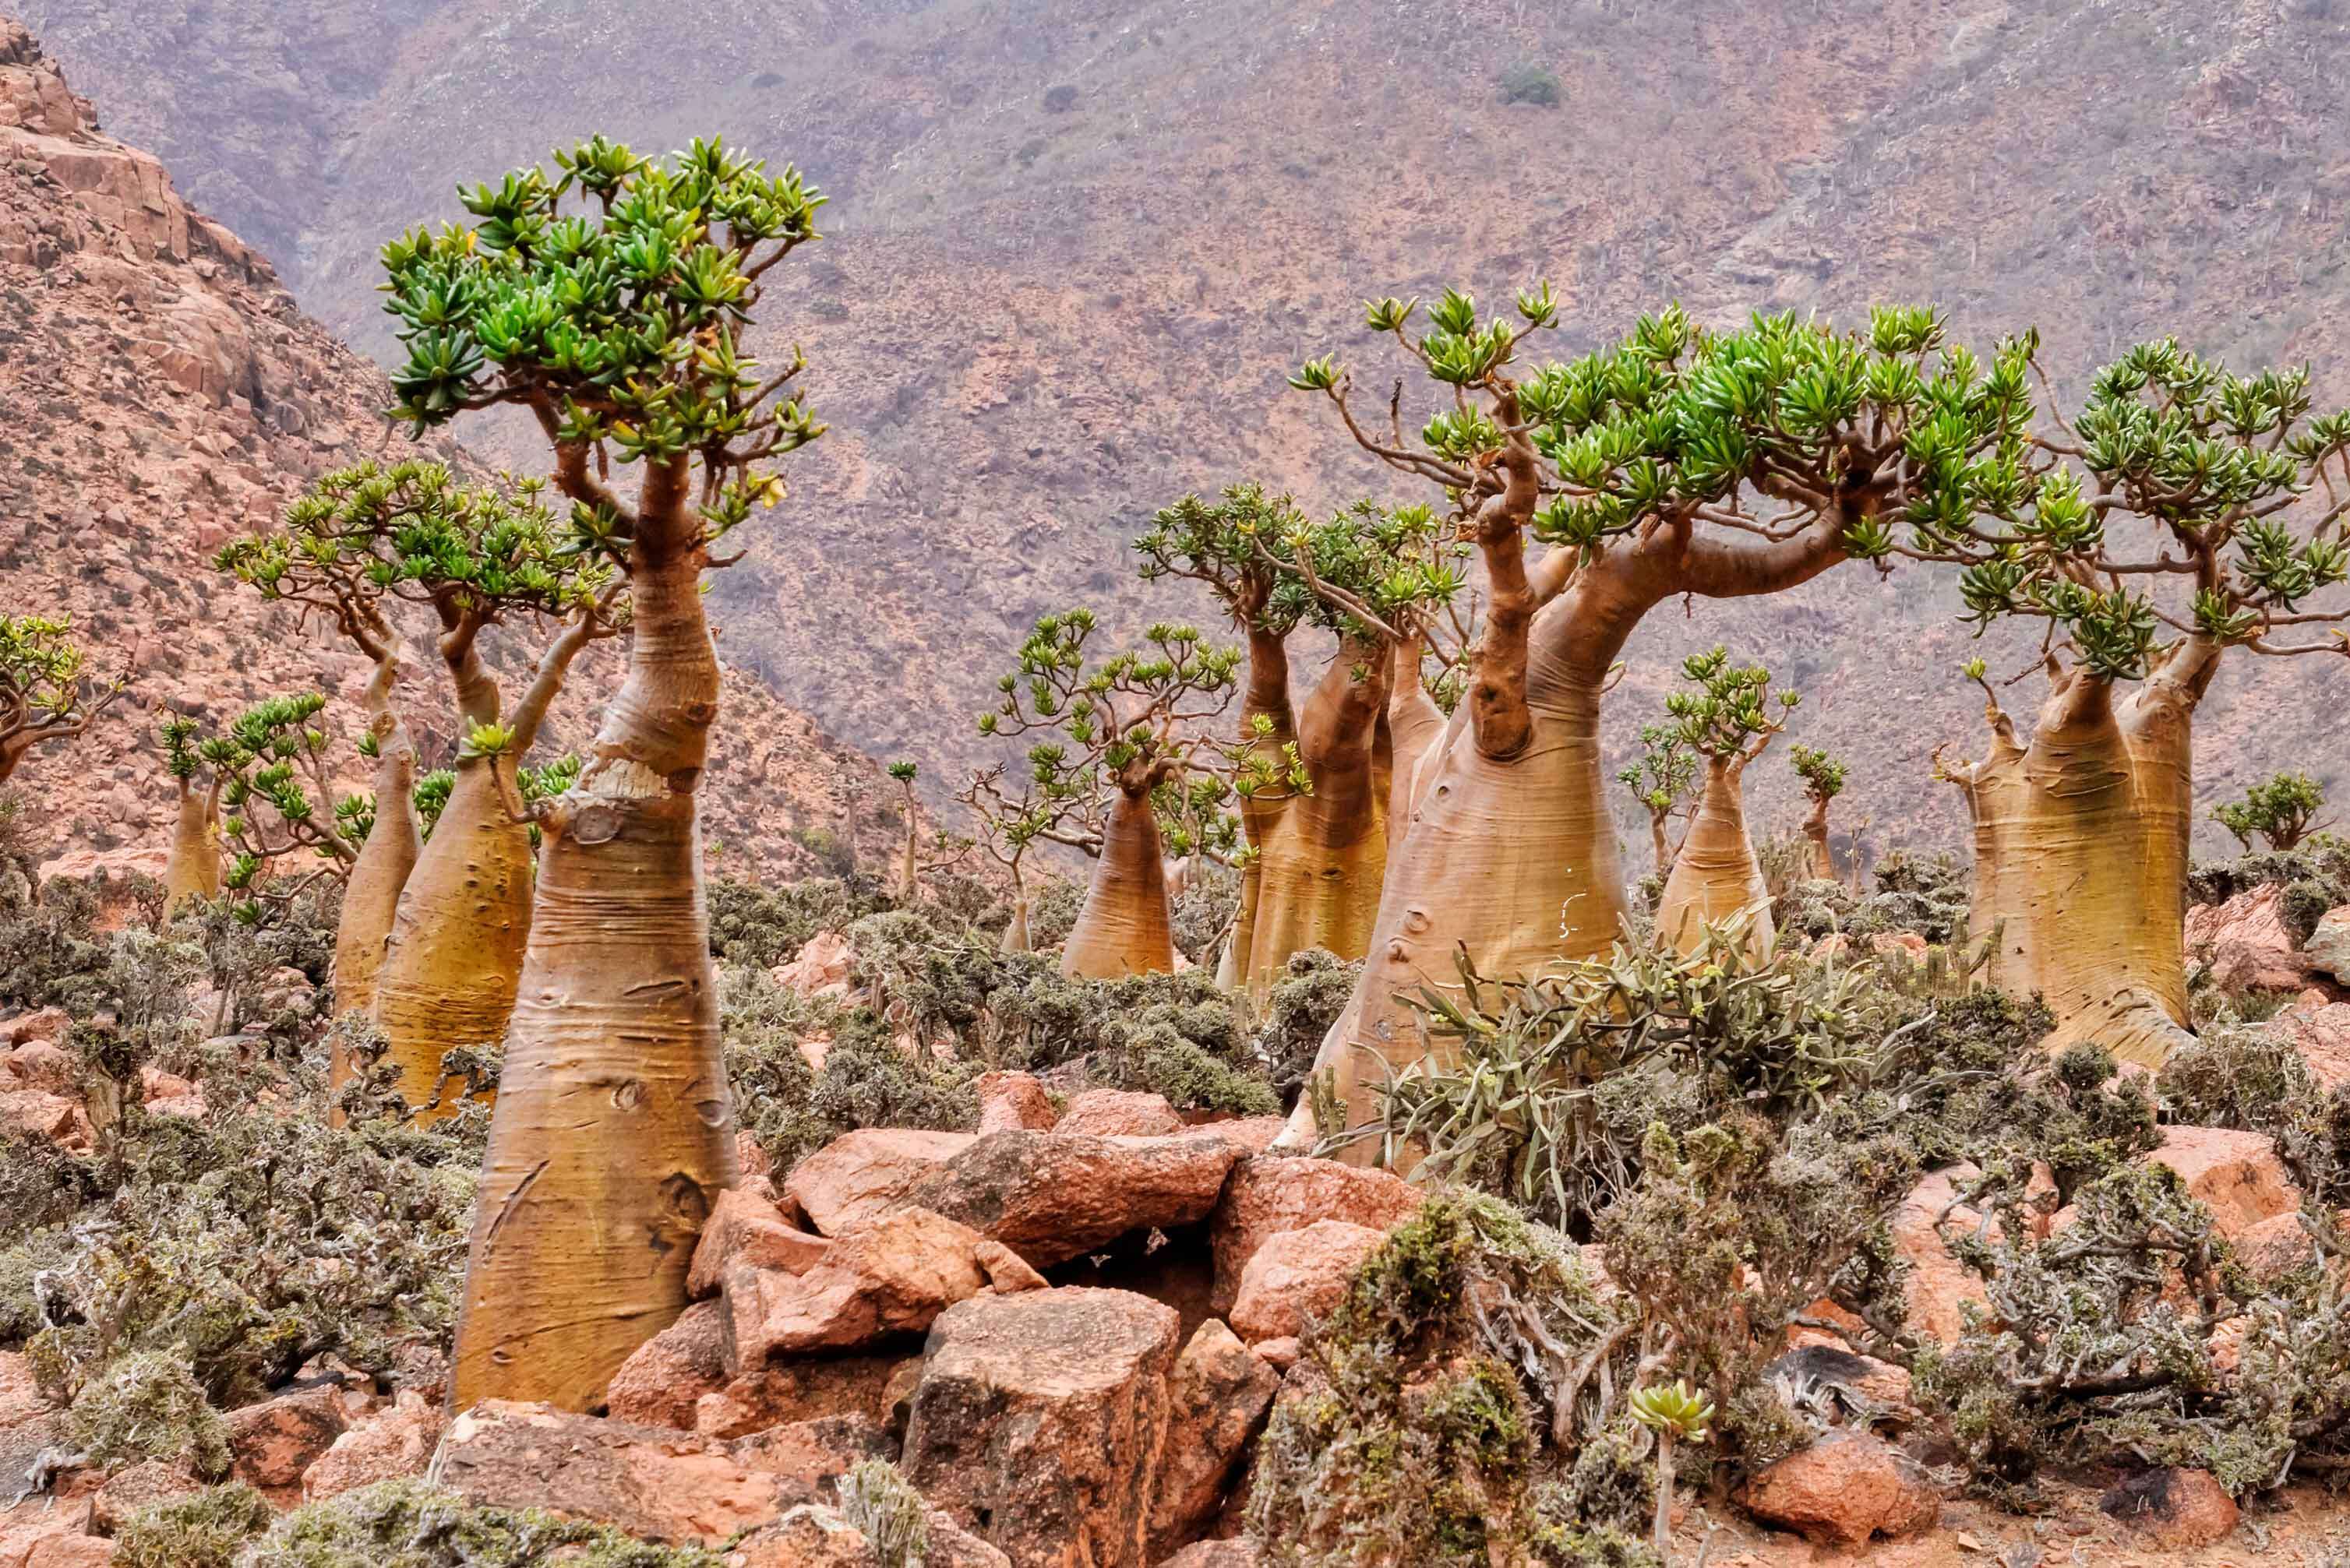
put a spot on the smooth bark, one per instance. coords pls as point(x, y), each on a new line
point(191, 871)
point(1124, 927)
point(382, 868)
point(1716, 874)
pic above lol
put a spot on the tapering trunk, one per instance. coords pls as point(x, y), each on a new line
point(1815, 834)
point(614, 1131)
point(1123, 927)
point(1415, 729)
point(1999, 800)
point(1321, 857)
point(191, 871)
point(1716, 875)
point(456, 952)
point(371, 892)
point(1660, 845)
point(1015, 934)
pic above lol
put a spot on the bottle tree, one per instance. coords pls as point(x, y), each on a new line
point(45, 698)
point(1824, 780)
point(2182, 513)
point(191, 867)
point(1051, 805)
point(946, 850)
point(268, 801)
point(1661, 781)
point(609, 300)
point(2282, 810)
point(1680, 461)
point(450, 939)
point(1137, 730)
point(1371, 578)
point(1727, 720)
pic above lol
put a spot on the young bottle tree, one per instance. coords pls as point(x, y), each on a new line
point(450, 939)
point(1728, 720)
point(1661, 780)
point(1824, 780)
point(45, 698)
point(1051, 805)
point(266, 804)
point(191, 867)
point(1138, 729)
point(608, 301)
point(2281, 810)
point(2183, 512)
point(1680, 461)
point(915, 860)
point(1370, 577)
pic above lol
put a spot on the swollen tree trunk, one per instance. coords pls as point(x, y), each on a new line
point(2090, 853)
point(1511, 858)
point(614, 1131)
point(1015, 933)
point(192, 869)
point(1816, 835)
point(1716, 875)
point(1124, 927)
point(1320, 855)
point(455, 956)
point(1415, 729)
point(371, 893)
point(1997, 799)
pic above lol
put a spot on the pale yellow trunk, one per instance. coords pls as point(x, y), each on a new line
point(191, 872)
point(1999, 799)
point(614, 1131)
point(456, 949)
point(1815, 837)
point(371, 892)
point(1716, 875)
point(1416, 731)
point(1123, 927)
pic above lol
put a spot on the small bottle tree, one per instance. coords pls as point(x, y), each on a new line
point(267, 800)
point(1138, 728)
point(1661, 780)
point(450, 939)
point(192, 867)
point(1824, 780)
point(45, 698)
point(608, 301)
point(1370, 577)
point(1727, 720)
point(945, 850)
point(1050, 806)
point(2282, 809)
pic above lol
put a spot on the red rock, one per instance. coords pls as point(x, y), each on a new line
point(385, 1445)
point(1909, 944)
point(1281, 1355)
point(2321, 1034)
point(1940, 1285)
point(1041, 1420)
point(20, 1392)
point(1217, 1400)
point(892, 1276)
point(1254, 1133)
point(47, 1025)
point(821, 968)
point(41, 1064)
point(658, 1485)
point(2275, 1246)
point(154, 1084)
point(70, 1552)
point(2236, 1175)
point(1236, 1554)
point(1010, 1102)
point(142, 1485)
point(748, 1230)
point(2178, 1510)
point(661, 1382)
point(2246, 943)
point(1844, 1489)
point(1119, 1113)
point(275, 1441)
point(1053, 1196)
point(859, 1176)
point(53, 1116)
point(1269, 1194)
point(1298, 1277)
point(810, 1536)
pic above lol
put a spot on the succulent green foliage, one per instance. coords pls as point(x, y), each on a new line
point(205, 1529)
point(413, 532)
point(1731, 711)
point(1141, 720)
point(759, 927)
point(1463, 1355)
point(1661, 779)
point(1822, 775)
point(43, 693)
point(276, 790)
point(609, 299)
point(1673, 1407)
point(1368, 571)
point(2280, 809)
point(412, 1524)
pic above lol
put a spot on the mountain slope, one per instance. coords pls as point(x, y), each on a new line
point(1076, 243)
point(164, 391)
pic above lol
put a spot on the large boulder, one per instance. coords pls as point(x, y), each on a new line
point(392, 1443)
point(2236, 1175)
point(1119, 1113)
point(2328, 947)
point(861, 1175)
point(660, 1485)
point(1269, 1194)
point(275, 1441)
point(1053, 1196)
point(678, 1378)
point(1040, 1423)
point(1843, 1490)
point(663, 1378)
point(891, 1275)
point(1014, 1102)
point(1298, 1277)
point(2321, 1034)
point(1217, 1400)
point(2246, 943)
point(745, 1228)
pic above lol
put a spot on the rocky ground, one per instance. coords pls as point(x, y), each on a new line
point(163, 391)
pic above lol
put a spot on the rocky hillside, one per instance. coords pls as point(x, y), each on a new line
point(164, 391)
point(1076, 243)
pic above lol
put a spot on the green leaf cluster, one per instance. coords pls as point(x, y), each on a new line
point(1730, 709)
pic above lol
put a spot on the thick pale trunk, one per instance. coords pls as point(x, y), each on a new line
point(1415, 731)
point(371, 893)
point(1999, 799)
point(1660, 845)
point(1716, 875)
point(192, 869)
point(614, 1131)
point(1123, 927)
point(456, 951)
point(1815, 834)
